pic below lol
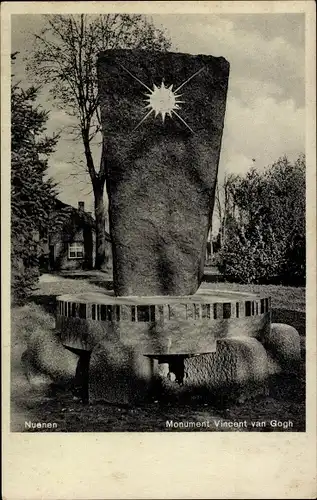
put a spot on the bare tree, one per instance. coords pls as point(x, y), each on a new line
point(225, 204)
point(64, 58)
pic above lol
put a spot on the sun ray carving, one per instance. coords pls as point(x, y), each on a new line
point(163, 100)
point(188, 79)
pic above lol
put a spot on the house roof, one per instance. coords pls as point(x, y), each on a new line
point(85, 217)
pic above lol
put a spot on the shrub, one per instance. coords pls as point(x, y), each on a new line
point(265, 232)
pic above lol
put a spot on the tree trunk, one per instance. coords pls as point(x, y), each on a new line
point(98, 183)
point(101, 261)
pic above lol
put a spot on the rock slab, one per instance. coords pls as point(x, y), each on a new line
point(119, 374)
point(161, 173)
point(237, 362)
point(284, 345)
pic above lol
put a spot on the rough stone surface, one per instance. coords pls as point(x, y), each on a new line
point(119, 374)
point(236, 362)
point(141, 346)
point(36, 378)
point(283, 343)
point(161, 325)
point(122, 374)
point(274, 367)
point(160, 177)
point(46, 360)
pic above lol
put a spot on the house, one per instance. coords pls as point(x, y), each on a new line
point(70, 242)
point(212, 248)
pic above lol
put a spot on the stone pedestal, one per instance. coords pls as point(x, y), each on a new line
point(136, 341)
point(119, 374)
point(161, 172)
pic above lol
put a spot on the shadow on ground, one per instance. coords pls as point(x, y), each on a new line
point(48, 302)
point(281, 409)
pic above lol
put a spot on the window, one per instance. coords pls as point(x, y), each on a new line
point(205, 311)
point(75, 250)
point(248, 308)
point(226, 310)
point(146, 313)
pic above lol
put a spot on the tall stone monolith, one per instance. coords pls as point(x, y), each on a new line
point(162, 117)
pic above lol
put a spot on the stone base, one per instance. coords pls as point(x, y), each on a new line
point(209, 343)
point(240, 367)
point(157, 326)
point(46, 362)
point(119, 374)
point(237, 361)
point(114, 373)
point(135, 343)
point(284, 345)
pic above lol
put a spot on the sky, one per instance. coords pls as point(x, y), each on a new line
point(265, 115)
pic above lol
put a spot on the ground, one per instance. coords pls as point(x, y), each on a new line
point(282, 408)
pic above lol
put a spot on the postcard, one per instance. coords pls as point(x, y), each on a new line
point(159, 249)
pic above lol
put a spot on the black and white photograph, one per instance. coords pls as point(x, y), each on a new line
point(158, 222)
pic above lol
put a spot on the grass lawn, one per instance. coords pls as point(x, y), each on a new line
point(285, 402)
point(284, 297)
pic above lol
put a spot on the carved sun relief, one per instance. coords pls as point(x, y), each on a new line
point(163, 100)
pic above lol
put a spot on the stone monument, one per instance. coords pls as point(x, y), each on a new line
point(162, 119)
